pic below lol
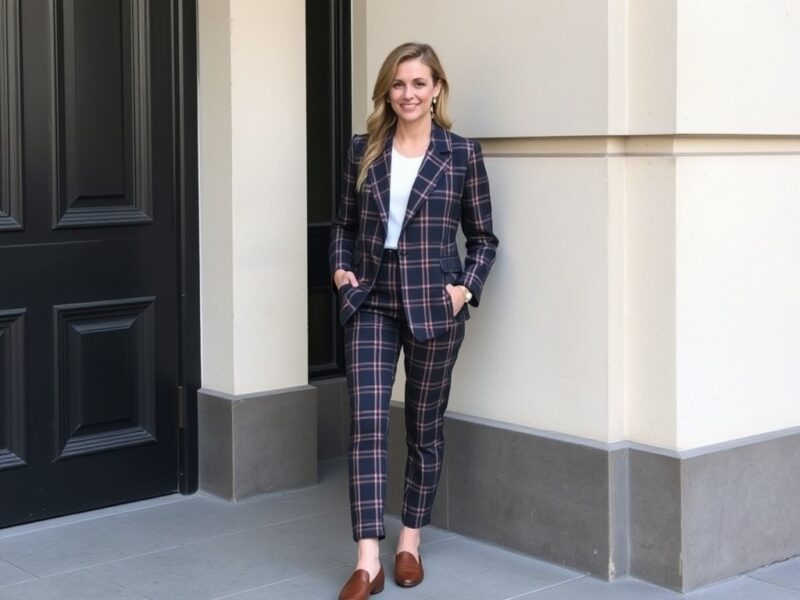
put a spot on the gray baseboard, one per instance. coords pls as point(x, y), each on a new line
point(257, 443)
point(538, 495)
point(333, 417)
point(655, 518)
point(740, 508)
point(678, 520)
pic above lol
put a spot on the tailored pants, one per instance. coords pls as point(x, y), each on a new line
point(373, 339)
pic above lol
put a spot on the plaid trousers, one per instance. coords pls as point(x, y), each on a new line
point(373, 339)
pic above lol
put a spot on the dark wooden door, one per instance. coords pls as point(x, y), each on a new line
point(89, 255)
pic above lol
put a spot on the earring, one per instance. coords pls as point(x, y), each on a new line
point(434, 99)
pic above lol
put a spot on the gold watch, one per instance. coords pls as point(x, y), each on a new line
point(467, 294)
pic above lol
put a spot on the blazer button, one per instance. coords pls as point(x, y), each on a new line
point(402, 253)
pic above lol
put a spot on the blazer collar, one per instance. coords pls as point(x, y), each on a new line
point(440, 139)
point(436, 157)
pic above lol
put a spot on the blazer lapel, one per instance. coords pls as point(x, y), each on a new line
point(436, 159)
point(379, 179)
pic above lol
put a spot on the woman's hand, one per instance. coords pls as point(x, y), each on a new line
point(457, 296)
point(340, 277)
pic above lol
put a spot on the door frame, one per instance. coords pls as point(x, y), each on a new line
point(188, 213)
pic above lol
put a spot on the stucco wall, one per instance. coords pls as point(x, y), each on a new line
point(618, 307)
point(739, 66)
point(737, 296)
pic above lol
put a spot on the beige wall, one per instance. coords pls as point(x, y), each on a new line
point(253, 194)
point(737, 295)
point(538, 78)
point(644, 288)
point(536, 350)
point(739, 66)
point(649, 300)
point(650, 65)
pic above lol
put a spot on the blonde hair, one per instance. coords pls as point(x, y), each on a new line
point(382, 119)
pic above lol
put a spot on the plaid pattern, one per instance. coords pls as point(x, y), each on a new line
point(373, 339)
point(451, 188)
point(401, 302)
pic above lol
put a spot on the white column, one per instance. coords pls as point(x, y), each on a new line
point(253, 194)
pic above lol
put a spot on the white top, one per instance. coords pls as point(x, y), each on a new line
point(404, 173)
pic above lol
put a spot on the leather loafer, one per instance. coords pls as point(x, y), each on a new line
point(359, 587)
point(407, 570)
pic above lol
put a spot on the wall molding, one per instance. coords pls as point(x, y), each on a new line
point(641, 145)
point(628, 444)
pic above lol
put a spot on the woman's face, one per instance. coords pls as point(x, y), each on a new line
point(412, 91)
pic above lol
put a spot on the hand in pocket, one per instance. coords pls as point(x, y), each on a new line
point(457, 298)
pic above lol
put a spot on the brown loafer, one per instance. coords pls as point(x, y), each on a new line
point(407, 570)
point(358, 587)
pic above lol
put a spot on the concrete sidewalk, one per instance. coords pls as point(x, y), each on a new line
point(292, 545)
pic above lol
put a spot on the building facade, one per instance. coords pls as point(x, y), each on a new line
point(627, 399)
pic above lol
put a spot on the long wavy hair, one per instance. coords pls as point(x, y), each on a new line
point(382, 119)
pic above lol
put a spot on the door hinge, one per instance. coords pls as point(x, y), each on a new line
point(181, 397)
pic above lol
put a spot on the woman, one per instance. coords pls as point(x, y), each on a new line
point(408, 184)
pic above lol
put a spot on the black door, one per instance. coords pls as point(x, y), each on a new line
point(90, 263)
point(328, 138)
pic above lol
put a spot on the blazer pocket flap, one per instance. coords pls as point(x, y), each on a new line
point(451, 264)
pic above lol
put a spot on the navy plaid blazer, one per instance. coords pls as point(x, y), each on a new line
point(451, 189)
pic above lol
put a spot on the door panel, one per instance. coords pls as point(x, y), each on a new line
point(105, 380)
point(103, 113)
point(12, 388)
point(89, 256)
point(10, 119)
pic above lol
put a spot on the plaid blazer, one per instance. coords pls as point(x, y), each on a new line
point(451, 189)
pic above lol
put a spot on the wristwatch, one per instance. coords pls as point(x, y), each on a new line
point(467, 294)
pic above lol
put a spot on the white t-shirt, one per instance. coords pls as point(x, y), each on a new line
point(403, 176)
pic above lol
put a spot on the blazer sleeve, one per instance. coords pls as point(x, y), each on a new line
point(345, 224)
point(476, 223)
